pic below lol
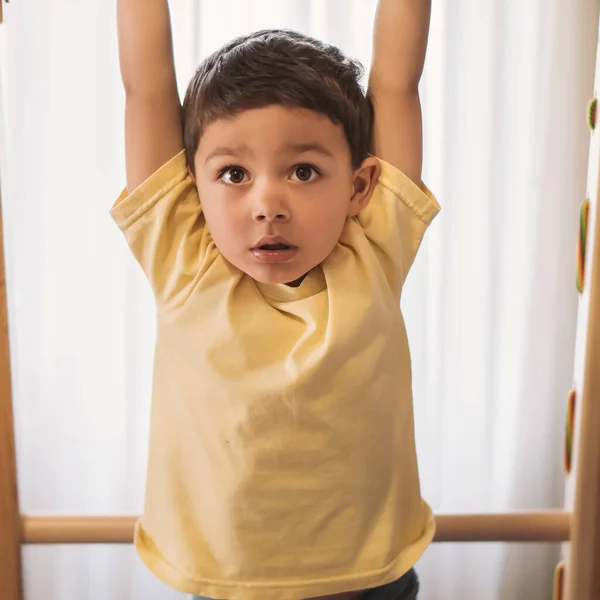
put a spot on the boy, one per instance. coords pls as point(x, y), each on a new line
point(276, 217)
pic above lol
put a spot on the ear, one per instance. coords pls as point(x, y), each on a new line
point(364, 181)
point(191, 174)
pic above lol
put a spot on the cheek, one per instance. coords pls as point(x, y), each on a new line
point(225, 219)
point(326, 213)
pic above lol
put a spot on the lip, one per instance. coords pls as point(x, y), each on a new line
point(274, 256)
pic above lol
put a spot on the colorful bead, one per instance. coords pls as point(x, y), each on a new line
point(569, 433)
point(581, 243)
point(592, 114)
point(559, 579)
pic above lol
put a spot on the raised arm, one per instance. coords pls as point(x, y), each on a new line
point(399, 45)
point(153, 132)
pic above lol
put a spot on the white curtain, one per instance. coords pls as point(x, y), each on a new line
point(490, 305)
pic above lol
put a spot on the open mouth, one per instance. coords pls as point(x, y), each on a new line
point(274, 251)
point(274, 247)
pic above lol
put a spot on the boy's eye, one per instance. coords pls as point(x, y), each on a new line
point(304, 172)
point(232, 175)
point(236, 175)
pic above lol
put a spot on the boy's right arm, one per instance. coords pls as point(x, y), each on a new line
point(160, 211)
point(153, 129)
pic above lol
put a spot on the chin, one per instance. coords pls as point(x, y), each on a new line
point(274, 275)
point(291, 273)
point(275, 278)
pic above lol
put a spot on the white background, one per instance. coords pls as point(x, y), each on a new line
point(490, 305)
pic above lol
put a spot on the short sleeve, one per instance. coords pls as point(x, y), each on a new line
point(163, 224)
point(395, 221)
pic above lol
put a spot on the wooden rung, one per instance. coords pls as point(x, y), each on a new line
point(547, 526)
point(78, 530)
point(550, 526)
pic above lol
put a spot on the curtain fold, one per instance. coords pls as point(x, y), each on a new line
point(490, 304)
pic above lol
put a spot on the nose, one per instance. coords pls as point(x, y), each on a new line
point(270, 205)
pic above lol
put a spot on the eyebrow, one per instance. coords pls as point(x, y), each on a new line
point(296, 148)
point(311, 147)
point(226, 151)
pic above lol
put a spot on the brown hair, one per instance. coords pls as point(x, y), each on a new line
point(278, 66)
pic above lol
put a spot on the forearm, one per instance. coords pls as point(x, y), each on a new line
point(145, 45)
point(399, 44)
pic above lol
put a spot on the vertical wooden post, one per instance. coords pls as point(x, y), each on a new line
point(582, 555)
point(10, 522)
point(583, 572)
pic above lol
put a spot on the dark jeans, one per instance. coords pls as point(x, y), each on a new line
point(405, 588)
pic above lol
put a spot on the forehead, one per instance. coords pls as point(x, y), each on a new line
point(276, 129)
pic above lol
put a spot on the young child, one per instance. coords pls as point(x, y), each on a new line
point(276, 216)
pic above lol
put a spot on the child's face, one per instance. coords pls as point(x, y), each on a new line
point(276, 186)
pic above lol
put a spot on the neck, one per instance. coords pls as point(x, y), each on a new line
point(297, 282)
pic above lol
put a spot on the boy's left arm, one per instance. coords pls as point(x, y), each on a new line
point(399, 46)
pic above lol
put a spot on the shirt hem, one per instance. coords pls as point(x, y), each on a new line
point(175, 578)
point(419, 199)
point(131, 206)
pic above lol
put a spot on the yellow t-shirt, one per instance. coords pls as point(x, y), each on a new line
point(282, 457)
